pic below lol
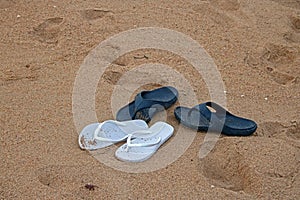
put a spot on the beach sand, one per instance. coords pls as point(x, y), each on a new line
point(255, 45)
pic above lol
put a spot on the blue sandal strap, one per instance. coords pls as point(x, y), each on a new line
point(216, 119)
point(142, 103)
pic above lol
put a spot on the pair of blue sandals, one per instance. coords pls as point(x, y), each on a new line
point(147, 103)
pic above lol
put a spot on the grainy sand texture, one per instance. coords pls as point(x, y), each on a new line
point(254, 44)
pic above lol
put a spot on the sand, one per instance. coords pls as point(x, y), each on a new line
point(255, 45)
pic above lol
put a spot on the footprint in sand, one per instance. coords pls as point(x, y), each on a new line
point(279, 54)
point(294, 131)
point(276, 130)
point(277, 58)
point(26, 72)
point(112, 76)
point(295, 21)
point(255, 165)
point(272, 54)
point(280, 77)
point(271, 129)
point(49, 30)
point(93, 14)
point(278, 61)
point(227, 168)
point(294, 35)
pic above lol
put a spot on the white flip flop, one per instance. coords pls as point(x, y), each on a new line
point(99, 135)
point(145, 144)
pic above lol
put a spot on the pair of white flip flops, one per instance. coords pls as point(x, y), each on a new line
point(141, 141)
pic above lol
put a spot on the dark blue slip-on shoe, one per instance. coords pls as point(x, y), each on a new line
point(201, 118)
point(147, 103)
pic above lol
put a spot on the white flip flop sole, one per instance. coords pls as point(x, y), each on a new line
point(99, 135)
point(144, 146)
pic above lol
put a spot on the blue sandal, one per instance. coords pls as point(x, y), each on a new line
point(202, 119)
point(147, 103)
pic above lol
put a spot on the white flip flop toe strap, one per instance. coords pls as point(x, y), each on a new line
point(98, 130)
point(129, 144)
